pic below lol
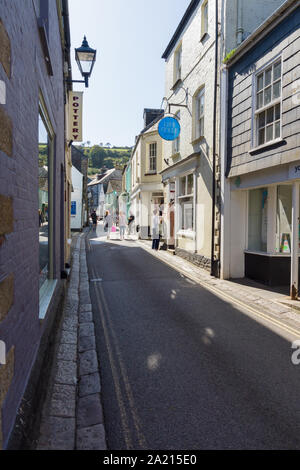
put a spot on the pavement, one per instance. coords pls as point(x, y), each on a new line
point(72, 417)
point(73, 414)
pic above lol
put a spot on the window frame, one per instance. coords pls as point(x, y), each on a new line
point(43, 113)
point(265, 107)
point(197, 134)
point(204, 19)
point(177, 75)
point(186, 201)
point(152, 158)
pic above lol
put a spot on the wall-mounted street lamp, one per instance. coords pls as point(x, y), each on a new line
point(85, 57)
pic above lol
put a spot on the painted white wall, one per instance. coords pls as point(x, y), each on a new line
point(76, 195)
point(198, 70)
point(246, 16)
point(238, 227)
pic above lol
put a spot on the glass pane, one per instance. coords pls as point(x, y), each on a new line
point(202, 104)
point(261, 136)
point(276, 89)
point(202, 126)
point(284, 218)
point(260, 101)
point(270, 113)
point(190, 184)
point(258, 219)
point(277, 129)
point(277, 112)
point(187, 214)
point(268, 76)
point(260, 82)
point(183, 186)
point(268, 96)
point(261, 119)
point(43, 201)
point(277, 71)
point(269, 133)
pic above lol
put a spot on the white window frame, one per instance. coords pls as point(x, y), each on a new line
point(265, 107)
point(152, 157)
point(199, 117)
point(204, 18)
point(178, 63)
point(186, 194)
point(185, 201)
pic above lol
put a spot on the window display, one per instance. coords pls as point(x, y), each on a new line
point(284, 219)
point(258, 219)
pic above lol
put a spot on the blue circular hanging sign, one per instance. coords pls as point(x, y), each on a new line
point(169, 128)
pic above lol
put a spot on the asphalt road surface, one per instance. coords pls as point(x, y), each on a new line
point(182, 369)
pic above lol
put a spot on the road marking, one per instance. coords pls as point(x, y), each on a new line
point(96, 280)
point(136, 420)
point(227, 297)
point(123, 414)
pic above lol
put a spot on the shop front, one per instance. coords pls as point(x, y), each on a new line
point(266, 217)
point(180, 182)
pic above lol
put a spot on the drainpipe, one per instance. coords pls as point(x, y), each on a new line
point(65, 12)
point(214, 263)
point(239, 29)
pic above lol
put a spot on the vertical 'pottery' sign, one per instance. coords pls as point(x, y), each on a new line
point(75, 116)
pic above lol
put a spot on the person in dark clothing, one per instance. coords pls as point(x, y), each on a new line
point(94, 219)
point(130, 223)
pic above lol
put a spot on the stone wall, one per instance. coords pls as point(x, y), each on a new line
point(194, 258)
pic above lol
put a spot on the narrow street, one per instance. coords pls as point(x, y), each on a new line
point(181, 368)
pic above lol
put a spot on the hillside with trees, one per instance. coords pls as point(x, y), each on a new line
point(108, 156)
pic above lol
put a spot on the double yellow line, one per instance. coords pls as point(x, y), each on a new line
point(227, 297)
point(126, 403)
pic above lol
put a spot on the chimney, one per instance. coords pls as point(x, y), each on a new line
point(151, 114)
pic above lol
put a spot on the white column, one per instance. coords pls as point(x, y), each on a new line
point(167, 212)
point(272, 203)
point(177, 210)
point(225, 247)
point(195, 208)
point(295, 242)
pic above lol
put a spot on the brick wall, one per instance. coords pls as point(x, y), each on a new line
point(24, 73)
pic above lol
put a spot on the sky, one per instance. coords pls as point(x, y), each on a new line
point(130, 37)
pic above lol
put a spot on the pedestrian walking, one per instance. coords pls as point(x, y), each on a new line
point(108, 223)
point(94, 219)
point(130, 223)
point(155, 230)
point(122, 225)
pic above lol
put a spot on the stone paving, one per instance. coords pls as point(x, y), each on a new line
point(251, 294)
point(72, 416)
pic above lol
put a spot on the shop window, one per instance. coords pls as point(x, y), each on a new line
point(44, 196)
point(284, 219)
point(186, 202)
point(258, 219)
point(268, 104)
